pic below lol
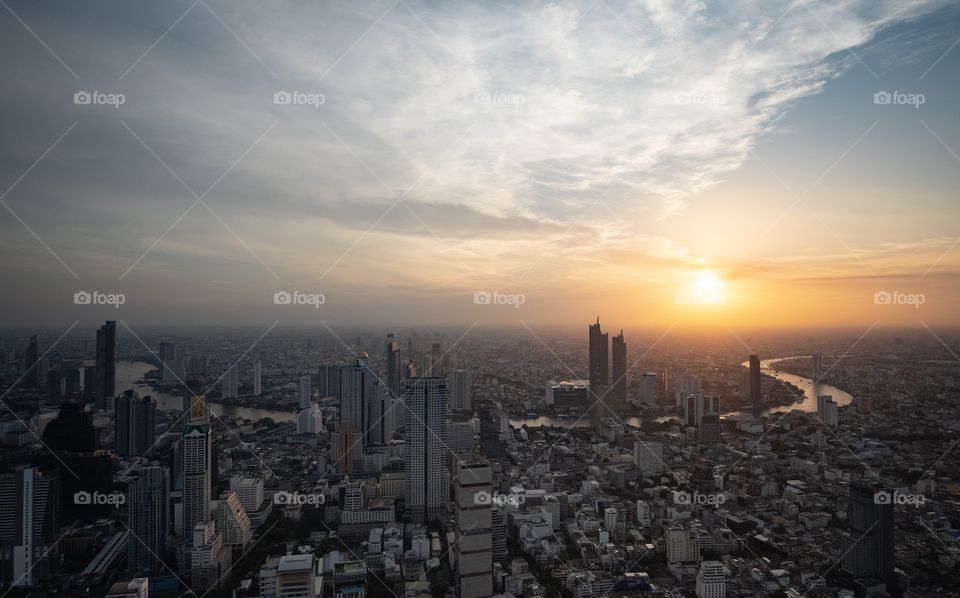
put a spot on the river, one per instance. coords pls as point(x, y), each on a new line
point(809, 403)
point(128, 372)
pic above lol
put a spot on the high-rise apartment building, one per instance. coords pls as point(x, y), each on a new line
point(392, 355)
point(869, 546)
point(105, 384)
point(229, 384)
point(257, 381)
point(304, 392)
point(710, 580)
point(148, 507)
point(460, 389)
point(755, 396)
point(197, 456)
point(135, 427)
point(232, 521)
point(599, 372)
point(474, 544)
point(428, 490)
point(618, 382)
point(648, 456)
point(29, 521)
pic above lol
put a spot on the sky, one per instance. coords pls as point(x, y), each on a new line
point(661, 163)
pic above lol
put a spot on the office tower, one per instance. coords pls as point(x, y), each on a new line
point(648, 456)
point(304, 392)
point(817, 369)
point(29, 522)
point(869, 545)
point(74, 449)
point(346, 449)
point(30, 364)
point(229, 384)
point(599, 373)
point(62, 383)
point(711, 405)
point(256, 379)
point(249, 491)
point(89, 382)
point(356, 393)
point(135, 427)
point(197, 455)
point(296, 577)
point(424, 428)
point(693, 409)
point(436, 367)
point(474, 544)
point(378, 427)
point(232, 521)
point(648, 388)
point(683, 544)
point(106, 373)
point(827, 410)
point(619, 377)
point(460, 387)
point(643, 513)
point(393, 365)
point(755, 397)
point(328, 381)
point(709, 431)
point(410, 371)
point(148, 504)
point(710, 580)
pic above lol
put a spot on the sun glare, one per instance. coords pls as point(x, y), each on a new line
point(705, 289)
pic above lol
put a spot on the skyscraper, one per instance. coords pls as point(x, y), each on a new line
point(148, 508)
point(196, 446)
point(233, 521)
point(31, 367)
point(755, 380)
point(868, 549)
point(599, 377)
point(648, 456)
point(827, 410)
point(105, 385)
point(229, 384)
point(474, 544)
point(710, 580)
point(29, 520)
point(425, 425)
point(134, 424)
point(460, 387)
point(304, 392)
point(257, 389)
point(393, 365)
point(619, 381)
point(817, 369)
